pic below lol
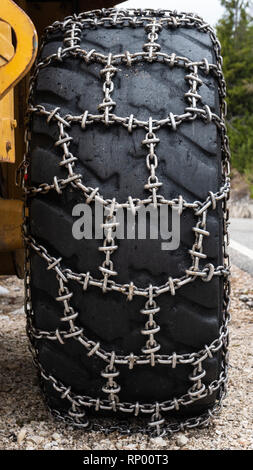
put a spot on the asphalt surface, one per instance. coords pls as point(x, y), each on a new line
point(241, 243)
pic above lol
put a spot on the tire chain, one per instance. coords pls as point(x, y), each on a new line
point(152, 21)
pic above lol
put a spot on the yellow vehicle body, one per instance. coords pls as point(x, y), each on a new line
point(19, 21)
point(7, 121)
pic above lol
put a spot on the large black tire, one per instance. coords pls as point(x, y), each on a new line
point(113, 159)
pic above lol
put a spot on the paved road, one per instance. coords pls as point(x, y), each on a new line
point(241, 243)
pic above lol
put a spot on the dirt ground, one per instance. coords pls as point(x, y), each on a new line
point(25, 422)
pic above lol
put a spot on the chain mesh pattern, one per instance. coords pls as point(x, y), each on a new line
point(153, 22)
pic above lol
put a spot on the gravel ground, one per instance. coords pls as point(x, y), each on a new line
point(25, 422)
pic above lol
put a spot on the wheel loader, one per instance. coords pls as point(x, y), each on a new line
point(121, 121)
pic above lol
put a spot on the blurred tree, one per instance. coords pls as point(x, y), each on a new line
point(235, 32)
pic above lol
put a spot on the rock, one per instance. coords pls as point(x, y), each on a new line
point(243, 298)
point(21, 435)
point(181, 440)
point(43, 433)
point(49, 445)
point(250, 303)
point(36, 439)
point(19, 311)
point(11, 366)
point(56, 436)
point(159, 441)
point(3, 291)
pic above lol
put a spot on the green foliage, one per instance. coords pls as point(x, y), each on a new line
point(235, 32)
point(240, 131)
point(249, 178)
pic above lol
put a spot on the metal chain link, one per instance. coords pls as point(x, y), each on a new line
point(153, 21)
